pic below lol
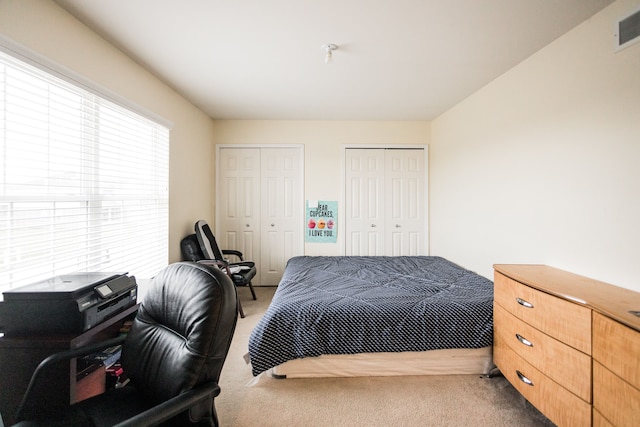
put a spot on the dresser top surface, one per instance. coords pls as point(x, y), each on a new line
point(612, 301)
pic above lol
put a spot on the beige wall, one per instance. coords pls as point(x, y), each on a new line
point(543, 164)
point(323, 143)
point(43, 27)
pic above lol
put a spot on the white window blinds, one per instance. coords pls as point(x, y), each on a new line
point(83, 181)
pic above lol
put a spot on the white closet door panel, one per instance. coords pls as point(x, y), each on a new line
point(375, 244)
point(274, 262)
point(230, 239)
point(238, 201)
point(282, 216)
point(405, 211)
point(238, 239)
point(250, 241)
point(396, 247)
point(290, 247)
point(270, 259)
point(406, 244)
point(364, 196)
point(249, 193)
point(354, 243)
point(417, 243)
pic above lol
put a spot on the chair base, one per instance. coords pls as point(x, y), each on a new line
point(253, 293)
point(240, 310)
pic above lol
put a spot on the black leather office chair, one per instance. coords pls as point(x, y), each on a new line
point(173, 355)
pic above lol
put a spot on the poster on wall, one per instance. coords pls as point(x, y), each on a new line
point(321, 221)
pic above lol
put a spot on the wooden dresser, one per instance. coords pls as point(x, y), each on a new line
point(569, 344)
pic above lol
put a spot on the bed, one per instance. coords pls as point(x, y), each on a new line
point(375, 316)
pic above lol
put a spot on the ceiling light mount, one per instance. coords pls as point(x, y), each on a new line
point(328, 51)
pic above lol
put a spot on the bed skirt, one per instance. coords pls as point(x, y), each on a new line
point(433, 362)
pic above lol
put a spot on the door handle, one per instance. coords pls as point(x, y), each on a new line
point(373, 225)
point(398, 226)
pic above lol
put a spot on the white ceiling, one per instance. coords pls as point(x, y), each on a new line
point(397, 60)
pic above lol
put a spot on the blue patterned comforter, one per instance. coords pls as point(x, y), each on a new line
point(348, 305)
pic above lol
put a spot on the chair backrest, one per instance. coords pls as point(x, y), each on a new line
point(190, 249)
point(207, 241)
point(181, 334)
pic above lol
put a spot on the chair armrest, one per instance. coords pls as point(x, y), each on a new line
point(232, 252)
point(163, 411)
point(60, 357)
point(222, 265)
point(215, 263)
point(172, 407)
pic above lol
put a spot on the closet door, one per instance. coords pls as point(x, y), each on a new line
point(282, 211)
point(259, 207)
point(385, 202)
point(238, 201)
point(364, 193)
point(405, 206)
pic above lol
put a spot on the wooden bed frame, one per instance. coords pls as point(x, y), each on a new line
point(434, 362)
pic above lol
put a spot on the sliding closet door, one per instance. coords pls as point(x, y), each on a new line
point(385, 201)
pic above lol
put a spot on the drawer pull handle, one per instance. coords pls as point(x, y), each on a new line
point(524, 341)
point(524, 303)
point(524, 379)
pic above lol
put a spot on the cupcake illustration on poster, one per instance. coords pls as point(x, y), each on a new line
point(321, 220)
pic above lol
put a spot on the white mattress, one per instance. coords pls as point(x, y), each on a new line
point(433, 362)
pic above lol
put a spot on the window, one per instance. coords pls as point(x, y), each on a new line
point(83, 180)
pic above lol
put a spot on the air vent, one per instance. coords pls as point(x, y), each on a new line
point(628, 30)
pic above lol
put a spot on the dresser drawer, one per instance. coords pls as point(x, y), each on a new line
point(565, 365)
point(614, 398)
point(558, 404)
point(561, 319)
point(599, 420)
point(618, 348)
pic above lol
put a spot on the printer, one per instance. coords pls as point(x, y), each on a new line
point(66, 304)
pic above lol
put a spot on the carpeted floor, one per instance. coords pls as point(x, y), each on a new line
point(449, 400)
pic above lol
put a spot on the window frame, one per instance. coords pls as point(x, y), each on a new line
point(102, 94)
